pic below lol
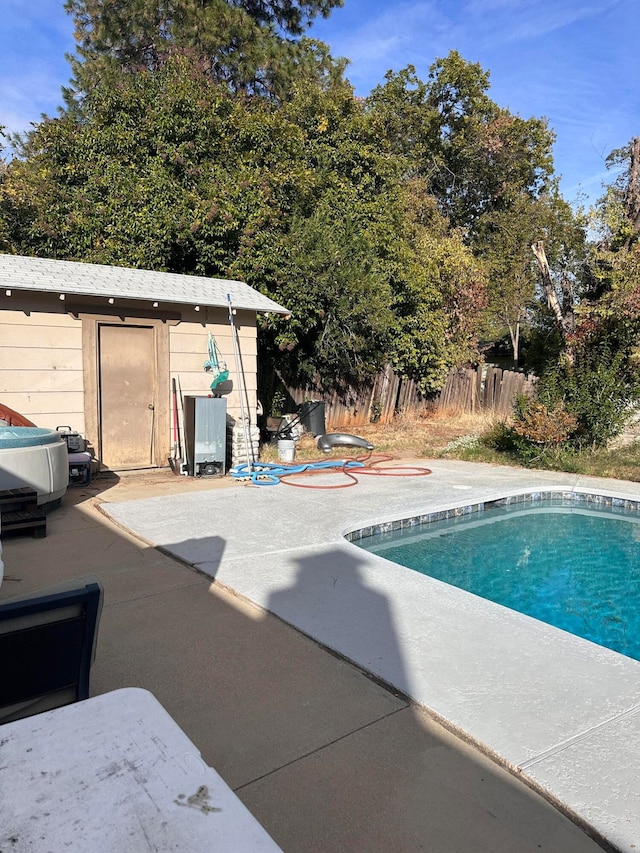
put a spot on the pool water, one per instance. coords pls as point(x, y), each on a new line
point(573, 567)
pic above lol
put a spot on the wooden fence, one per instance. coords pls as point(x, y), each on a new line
point(484, 388)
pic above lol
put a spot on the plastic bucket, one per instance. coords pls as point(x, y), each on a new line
point(286, 450)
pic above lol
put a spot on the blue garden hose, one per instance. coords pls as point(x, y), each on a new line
point(269, 473)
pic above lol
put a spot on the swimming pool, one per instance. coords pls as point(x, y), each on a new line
point(574, 564)
point(561, 711)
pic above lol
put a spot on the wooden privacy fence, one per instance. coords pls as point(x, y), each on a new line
point(484, 388)
point(352, 406)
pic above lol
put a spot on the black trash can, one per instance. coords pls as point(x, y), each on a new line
point(312, 416)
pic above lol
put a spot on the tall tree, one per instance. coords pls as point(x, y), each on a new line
point(618, 211)
point(614, 263)
point(375, 221)
point(168, 170)
point(441, 291)
point(504, 240)
point(475, 156)
point(594, 371)
point(490, 172)
point(251, 45)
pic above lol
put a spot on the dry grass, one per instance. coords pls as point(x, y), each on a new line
point(621, 463)
point(418, 437)
point(431, 436)
point(408, 437)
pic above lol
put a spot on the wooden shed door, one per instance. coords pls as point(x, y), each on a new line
point(127, 383)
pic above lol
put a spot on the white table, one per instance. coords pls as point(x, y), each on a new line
point(115, 773)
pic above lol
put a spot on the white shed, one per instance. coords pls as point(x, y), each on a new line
point(96, 348)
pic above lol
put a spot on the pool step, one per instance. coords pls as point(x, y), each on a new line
point(19, 512)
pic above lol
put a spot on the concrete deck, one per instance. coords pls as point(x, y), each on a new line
point(324, 756)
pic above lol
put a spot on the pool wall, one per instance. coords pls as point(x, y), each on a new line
point(554, 496)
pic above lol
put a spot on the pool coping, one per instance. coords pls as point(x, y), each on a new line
point(560, 711)
point(461, 510)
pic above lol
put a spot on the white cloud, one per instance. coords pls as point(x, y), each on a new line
point(516, 20)
point(385, 39)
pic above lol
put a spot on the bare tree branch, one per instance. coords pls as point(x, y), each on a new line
point(632, 200)
point(564, 314)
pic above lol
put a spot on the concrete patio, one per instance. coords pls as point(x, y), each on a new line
point(326, 757)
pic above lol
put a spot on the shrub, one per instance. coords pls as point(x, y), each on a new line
point(541, 425)
point(556, 456)
point(597, 390)
point(503, 438)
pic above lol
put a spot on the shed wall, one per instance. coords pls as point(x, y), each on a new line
point(41, 368)
point(188, 351)
point(41, 362)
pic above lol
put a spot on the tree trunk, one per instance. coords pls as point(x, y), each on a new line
point(564, 314)
point(514, 333)
point(632, 200)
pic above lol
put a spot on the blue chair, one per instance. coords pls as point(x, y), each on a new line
point(47, 646)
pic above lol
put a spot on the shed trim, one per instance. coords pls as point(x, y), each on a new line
point(66, 278)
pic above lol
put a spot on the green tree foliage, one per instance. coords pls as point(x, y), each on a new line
point(343, 331)
point(127, 184)
point(610, 315)
point(487, 156)
point(504, 239)
point(441, 292)
point(475, 156)
point(613, 264)
point(361, 254)
point(168, 170)
point(491, 174)
point(618, 211)
point(387, 225)
point(591, 369)
point(250, 45)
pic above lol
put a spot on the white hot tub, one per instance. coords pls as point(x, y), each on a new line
point(35, 457)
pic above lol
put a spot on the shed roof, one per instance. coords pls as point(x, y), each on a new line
point(69, 277)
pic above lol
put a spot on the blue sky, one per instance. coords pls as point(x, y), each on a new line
point(572, 61)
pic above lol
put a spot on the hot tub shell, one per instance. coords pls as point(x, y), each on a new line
point(34, 457)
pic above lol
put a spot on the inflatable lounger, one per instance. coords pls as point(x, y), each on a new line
point(339, 439)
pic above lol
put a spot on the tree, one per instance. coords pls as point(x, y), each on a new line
point(346, 260)
point(441, 291)
point(632, 194)
point(503, 241)
point(596, 376)
point(341, 300)
point(618, 211)
point(475, 156)
point(490, 173)
point(386, 225)
point(164, 170)
point(250, 45)
point(563, 312)
point(613, 310)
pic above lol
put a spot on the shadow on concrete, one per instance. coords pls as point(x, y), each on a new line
point(325, 757)
point(331, 590)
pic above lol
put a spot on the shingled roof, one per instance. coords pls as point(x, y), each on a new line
point(71, 278)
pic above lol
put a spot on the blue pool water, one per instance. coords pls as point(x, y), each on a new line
point(569, 565)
